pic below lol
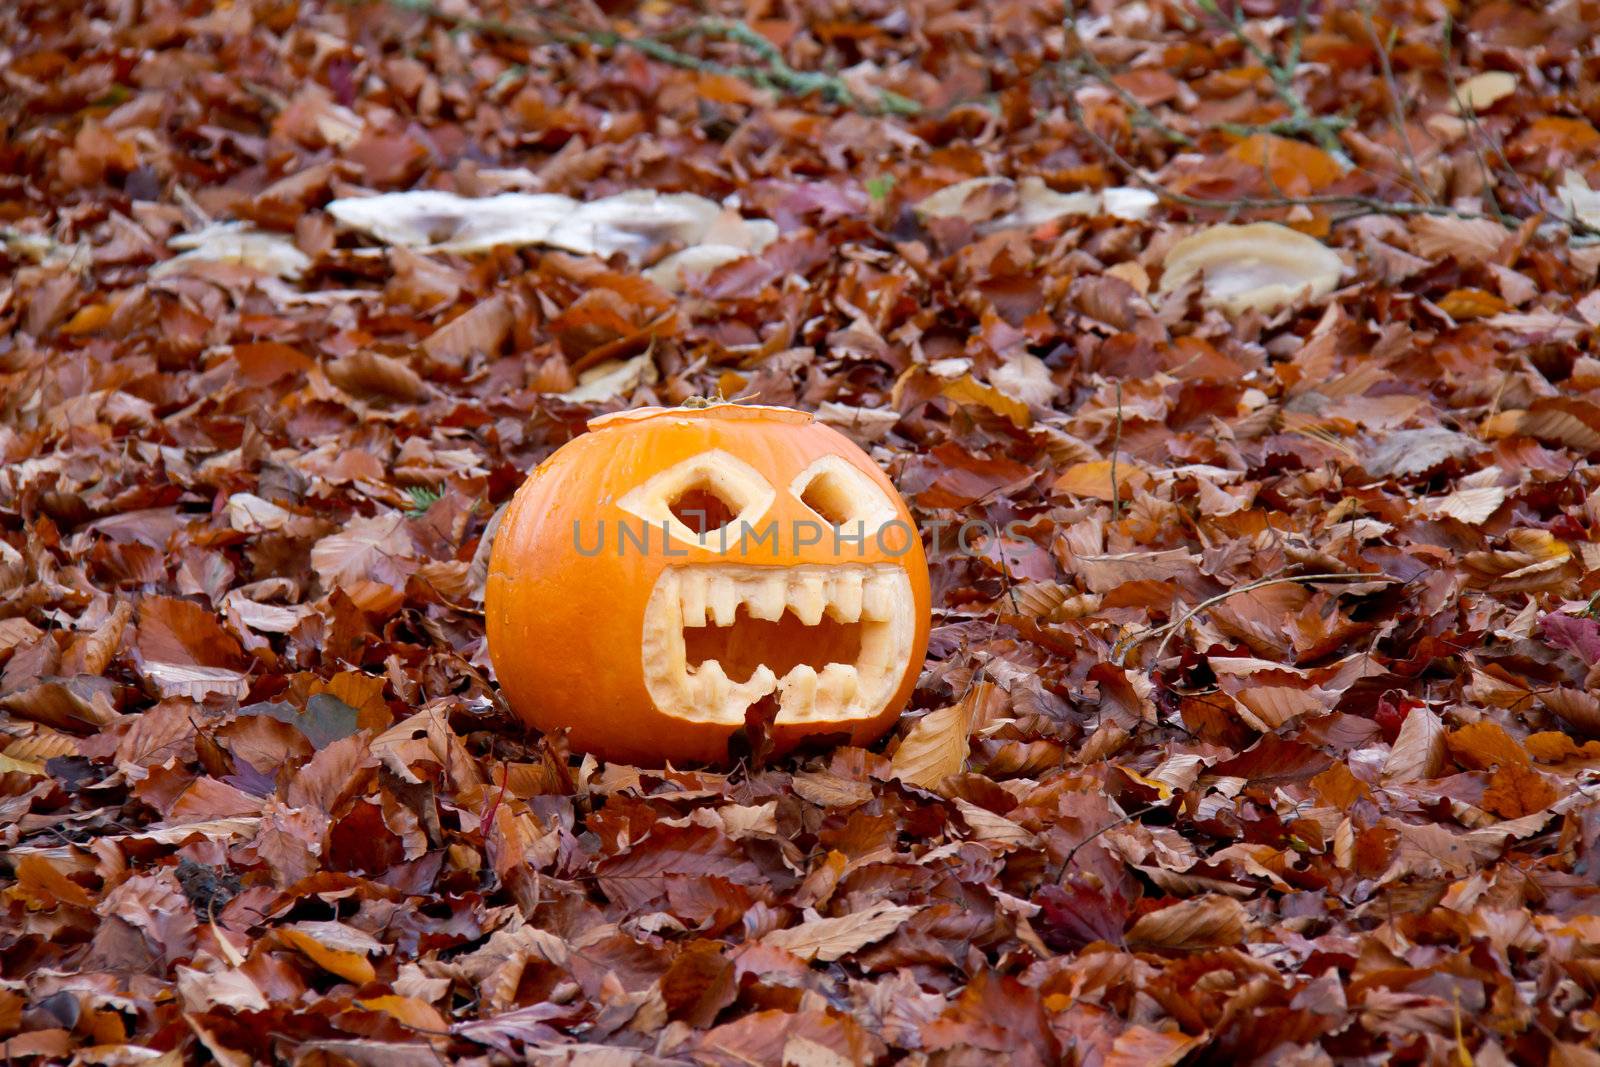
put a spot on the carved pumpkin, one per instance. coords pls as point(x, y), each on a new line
point(657, 578)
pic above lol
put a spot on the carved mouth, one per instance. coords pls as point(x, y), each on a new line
point(829, 640)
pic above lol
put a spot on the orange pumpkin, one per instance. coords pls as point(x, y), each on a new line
point(658, 578)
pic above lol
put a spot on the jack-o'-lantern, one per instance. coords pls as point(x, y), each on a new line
point(675, 570)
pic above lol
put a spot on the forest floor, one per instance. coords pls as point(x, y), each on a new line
point(260, 799)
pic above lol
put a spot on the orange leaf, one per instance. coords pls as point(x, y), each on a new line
point(968, 390)
point(410, 1011)
point(1482, 745)
point(351, 966)
point(1472, 304)
point(88, 319)
point(1139, 1046)
point(1293, 166)
point(1517, 790)
point(1094, 480)
point(1553, 746)
point(44, 887)
point(1562, 134)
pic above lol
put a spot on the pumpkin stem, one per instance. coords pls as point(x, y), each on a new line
point(714, 401)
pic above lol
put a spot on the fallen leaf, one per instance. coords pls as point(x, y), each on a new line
point(937, 745)
point(1200, 922)
point(829, 939)
point(1482, 91)
point(333, 947)
point(238, 244)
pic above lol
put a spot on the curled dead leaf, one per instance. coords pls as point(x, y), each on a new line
point(1419, 750)
point(829, 939)
point(1482, 91)
point(937, 744)
point(1208, 921)
point(239, 244)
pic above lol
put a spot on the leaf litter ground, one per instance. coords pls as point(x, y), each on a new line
point(259, 799)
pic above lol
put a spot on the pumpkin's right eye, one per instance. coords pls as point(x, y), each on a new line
point(842, 496)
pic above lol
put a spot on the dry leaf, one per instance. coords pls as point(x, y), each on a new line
point(1418, 751)
point(937, 744)
point(334, 947)
point(1200, 922)
point(828, 939)
point(479, 332)
point(1482, 91)
point(238, 244)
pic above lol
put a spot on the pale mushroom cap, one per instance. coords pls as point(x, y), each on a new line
point(1261, 265)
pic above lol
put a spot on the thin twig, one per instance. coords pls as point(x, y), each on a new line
point(1116, 443)
point(774, 72)
point(1364, 205)
point(1476, 127)
point(1143, 115)
point(1397, 116)
point(1129, 817)
point(1282, 77)
point(1174, 626)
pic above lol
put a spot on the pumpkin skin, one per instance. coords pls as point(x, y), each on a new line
point(653, 652)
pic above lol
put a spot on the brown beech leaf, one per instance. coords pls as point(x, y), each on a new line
point(829, 939)
point(1577, 708)
point(1418, 752)
point(1465, 240)
point(937, 744)
point(1140, 1046)
point(92, 653)
point(376, 549)
point(1199, 922)
point(371, 374)
point(225, 987)
point(1559, 420)
point(479, 331)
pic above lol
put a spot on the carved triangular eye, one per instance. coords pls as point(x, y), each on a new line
point(841, 495)
point(698, 499)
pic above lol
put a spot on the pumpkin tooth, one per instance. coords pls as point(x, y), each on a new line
point(723, 597)
point(876, 647)
point(692, 596)
point(798, 691)
point(807, 598)
point(878, 602)
point(845, 602)
point(758, 685)
point(712, 684)
point(836, 687)
point(765, 597)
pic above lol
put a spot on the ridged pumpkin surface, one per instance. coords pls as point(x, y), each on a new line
point(672, 571)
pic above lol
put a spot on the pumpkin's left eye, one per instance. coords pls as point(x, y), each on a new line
point(842, 495)
point(696, 499)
